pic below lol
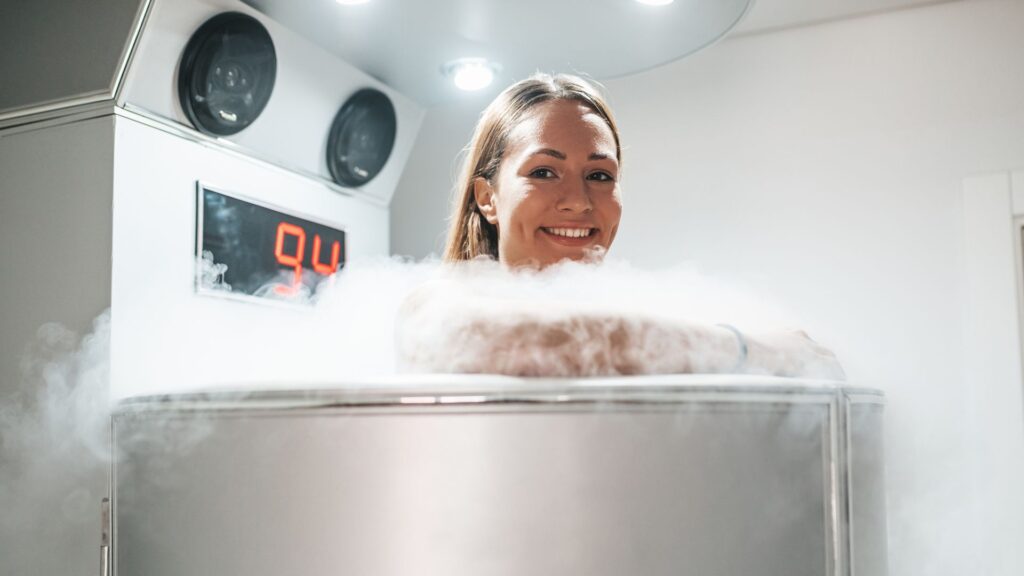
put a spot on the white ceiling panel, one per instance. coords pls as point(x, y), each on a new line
point(775, 14)
point(406, 43)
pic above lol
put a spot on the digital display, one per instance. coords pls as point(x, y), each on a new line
point(253, 250)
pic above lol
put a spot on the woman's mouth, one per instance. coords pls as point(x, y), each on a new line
point(570, 236)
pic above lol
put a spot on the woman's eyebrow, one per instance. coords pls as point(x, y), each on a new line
point(549, 152)
point(562, 156)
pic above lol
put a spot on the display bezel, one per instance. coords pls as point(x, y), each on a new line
point(197, 268)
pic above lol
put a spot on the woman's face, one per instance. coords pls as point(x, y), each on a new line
point(556, 192)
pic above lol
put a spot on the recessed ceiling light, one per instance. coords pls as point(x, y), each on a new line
point(655, 2)
point(471, 74)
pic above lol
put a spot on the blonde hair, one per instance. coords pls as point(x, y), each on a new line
point(470, 235)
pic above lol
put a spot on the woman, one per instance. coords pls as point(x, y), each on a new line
point(539, 186)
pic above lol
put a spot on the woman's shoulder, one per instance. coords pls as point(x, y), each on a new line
point(433, 292)
point(455, 280)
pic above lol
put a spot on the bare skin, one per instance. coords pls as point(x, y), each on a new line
point(556, 196)
point(495, 336)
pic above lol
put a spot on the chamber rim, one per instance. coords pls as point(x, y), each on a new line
point(468, 390)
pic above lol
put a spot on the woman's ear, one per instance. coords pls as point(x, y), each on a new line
point(483, 193)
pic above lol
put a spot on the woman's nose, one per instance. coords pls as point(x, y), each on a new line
point(574, 196)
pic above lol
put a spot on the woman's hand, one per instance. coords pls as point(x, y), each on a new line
point(792, 354)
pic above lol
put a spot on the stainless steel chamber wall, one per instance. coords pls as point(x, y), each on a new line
point(471, 476)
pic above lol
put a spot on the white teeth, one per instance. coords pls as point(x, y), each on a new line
point(569, 232)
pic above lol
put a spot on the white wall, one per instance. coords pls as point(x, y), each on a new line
point(419, 207)
point(823, 166)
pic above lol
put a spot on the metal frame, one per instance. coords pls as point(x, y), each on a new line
point(849, 399)
point(1018, 265)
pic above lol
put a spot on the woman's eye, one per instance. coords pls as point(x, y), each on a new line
point(601, 177)
point(543, 173)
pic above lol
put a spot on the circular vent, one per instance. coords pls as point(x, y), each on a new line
point(361, 138)
point(227, 73)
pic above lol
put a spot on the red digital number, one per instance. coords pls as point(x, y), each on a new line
point(292, 260)
point(326, 269)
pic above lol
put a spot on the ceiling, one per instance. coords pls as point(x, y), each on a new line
point(767, 15)
point(406, 43)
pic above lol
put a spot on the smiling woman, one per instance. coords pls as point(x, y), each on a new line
point(559, 186)
point(540, 185)
point(542, 167)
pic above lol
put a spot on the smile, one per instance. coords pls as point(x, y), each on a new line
point(574, 238)
point(570, 232)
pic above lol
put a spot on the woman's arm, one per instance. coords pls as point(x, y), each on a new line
point(442, 328)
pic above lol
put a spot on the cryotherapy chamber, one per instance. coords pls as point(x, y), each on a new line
point(489, 475)
point(159, 192)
